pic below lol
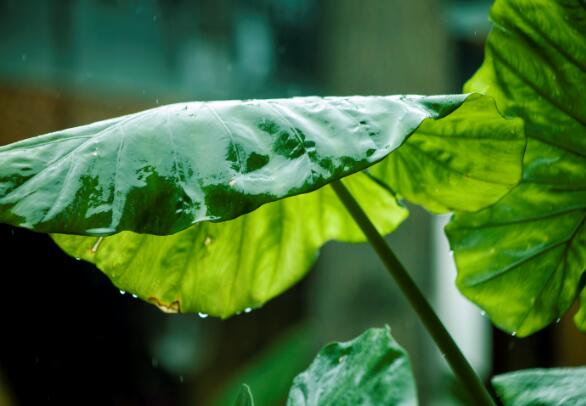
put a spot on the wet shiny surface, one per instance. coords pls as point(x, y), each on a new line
point(161, 170)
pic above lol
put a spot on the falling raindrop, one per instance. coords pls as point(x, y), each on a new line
point(202, 315)
point(97, 245)
point(181, 378)
point(558, 320)
point(514, 333)
point(122, 292)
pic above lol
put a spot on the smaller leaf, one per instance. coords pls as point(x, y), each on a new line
point(544, 387)
point(372, 369)
point(244, 396)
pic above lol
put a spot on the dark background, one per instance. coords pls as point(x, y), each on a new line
point(69, 336)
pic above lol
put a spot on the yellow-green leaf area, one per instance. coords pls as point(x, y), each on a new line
point(523, 259)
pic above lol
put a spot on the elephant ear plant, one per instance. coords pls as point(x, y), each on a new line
point(217, 207)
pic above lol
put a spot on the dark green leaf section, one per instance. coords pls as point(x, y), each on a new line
point(224, 268)
point(161, 170)
point(451, 164)
point(244, 397)
point(543, 387)
point(372, 370)
point(523, 259)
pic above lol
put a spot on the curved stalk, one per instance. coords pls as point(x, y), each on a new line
point(430, 320)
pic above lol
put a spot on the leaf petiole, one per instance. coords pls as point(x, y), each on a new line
point(428, 317)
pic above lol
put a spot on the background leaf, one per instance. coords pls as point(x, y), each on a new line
point(544, 387)
point(372, 369)
point(522, 259)
point(270, 373)
point(244, 397)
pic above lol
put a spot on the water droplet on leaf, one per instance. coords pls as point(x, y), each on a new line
point(202, 315)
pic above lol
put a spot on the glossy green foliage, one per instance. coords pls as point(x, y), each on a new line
point(161, 170)
point(523, 259)
point(444, 168)
point(543, 387)
point(244, 397)
point(212, 164)
point(372, 370)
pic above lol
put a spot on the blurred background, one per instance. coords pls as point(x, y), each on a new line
point(68, 336)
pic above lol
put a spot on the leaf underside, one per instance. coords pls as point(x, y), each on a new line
point(523, 259)
point(223, 268)
point(165, 199)
point(465, 161)
point(544, 387)
point(372, 370)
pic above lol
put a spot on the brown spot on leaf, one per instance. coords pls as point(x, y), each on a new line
point(172, 307)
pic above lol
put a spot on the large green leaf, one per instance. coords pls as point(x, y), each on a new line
point(543, 387)
point(444, 168)
point(224, 268)
point(523, 259)
point(162, 170)
point(372, 370)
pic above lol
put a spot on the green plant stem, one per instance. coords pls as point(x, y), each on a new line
point(432, 323)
